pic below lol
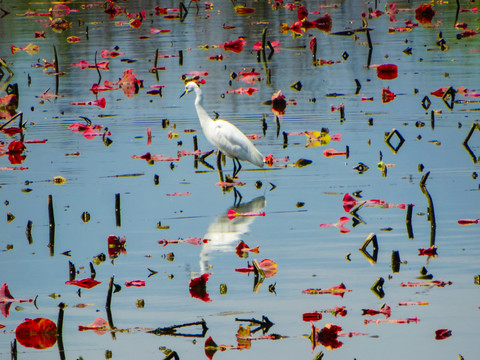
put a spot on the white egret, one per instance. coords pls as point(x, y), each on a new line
point(224, 135)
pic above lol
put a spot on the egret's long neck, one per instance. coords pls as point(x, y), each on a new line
point(202, 114)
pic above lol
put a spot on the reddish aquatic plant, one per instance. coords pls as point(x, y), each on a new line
point(312, 316)
point(232, 214)
point(387, 95)
point(242, 249)
point(431, 251)
point(387, 72)
point(101, 103)
point(198, 287)
point(30, 49)
point(468, 221)
point(15, 152)
point(249, 91)
point(234, 45)
point(189, 240)
point(135, 283)
point(338, 290)
point(87, 283)
point(343, 220)
point(39, 333)
point(384, 310)
point(279, 104)
point(270, 160)
point(393, 321)
point(129, 83)
point(438, 283)
point(99, 326)
point(269, 267)
point(275, 45)
point(110, 54)
point(186, 193)
point(442, 334)
point(243, 10)
point(424, 14)
point(333, 152)
point(116, 246)
point(327, 336)
point(6, 299)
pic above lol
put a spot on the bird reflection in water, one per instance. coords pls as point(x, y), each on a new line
point(224, 233)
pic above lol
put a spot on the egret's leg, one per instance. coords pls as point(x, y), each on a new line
point(219, 166)
point(235, 170)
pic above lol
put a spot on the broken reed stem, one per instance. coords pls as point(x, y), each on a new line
point(61, 349)
point(98, 70)
point(118, 218)
point(264, 42)
point(432, 120)
point(51, 216)
point(108, 309)
point(395, 261)
point(219, 166)
point(109, 293)
point(369, 40)
point(28, 232)
point(180, 57)
point(430, 210)
point(155, 61)
point(51, 224)
point(57, 79)
point(13, 349)
point(195, 148)
point(408, 221)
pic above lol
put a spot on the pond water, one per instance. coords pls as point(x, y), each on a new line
point(296, 200)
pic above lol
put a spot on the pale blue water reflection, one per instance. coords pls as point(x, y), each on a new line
point(307, 256)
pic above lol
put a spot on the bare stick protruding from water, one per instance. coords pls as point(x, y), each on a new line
point(51, 225)
point(108, 307)
point(264, 43)
point(118, 217)
point(195, 148)
point(61, 349)
point(13, 349)
point(408, 221)
point(28, 232)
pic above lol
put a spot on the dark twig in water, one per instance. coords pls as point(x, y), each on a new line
point(430, 210)
point(13, 349)
point(118, 216)
point(475, 126)
point(172, 330)
point(98, 70)
point(408, 221)
point(28, 232)
point(51, 224)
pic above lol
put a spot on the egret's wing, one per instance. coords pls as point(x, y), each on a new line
point(234, 142)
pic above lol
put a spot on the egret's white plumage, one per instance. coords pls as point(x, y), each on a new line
point(224, 135)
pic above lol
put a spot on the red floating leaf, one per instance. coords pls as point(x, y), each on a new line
point(387, 72)
point(39, 333)
point(87, 283)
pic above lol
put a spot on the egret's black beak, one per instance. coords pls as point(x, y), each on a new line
point(183, 94)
